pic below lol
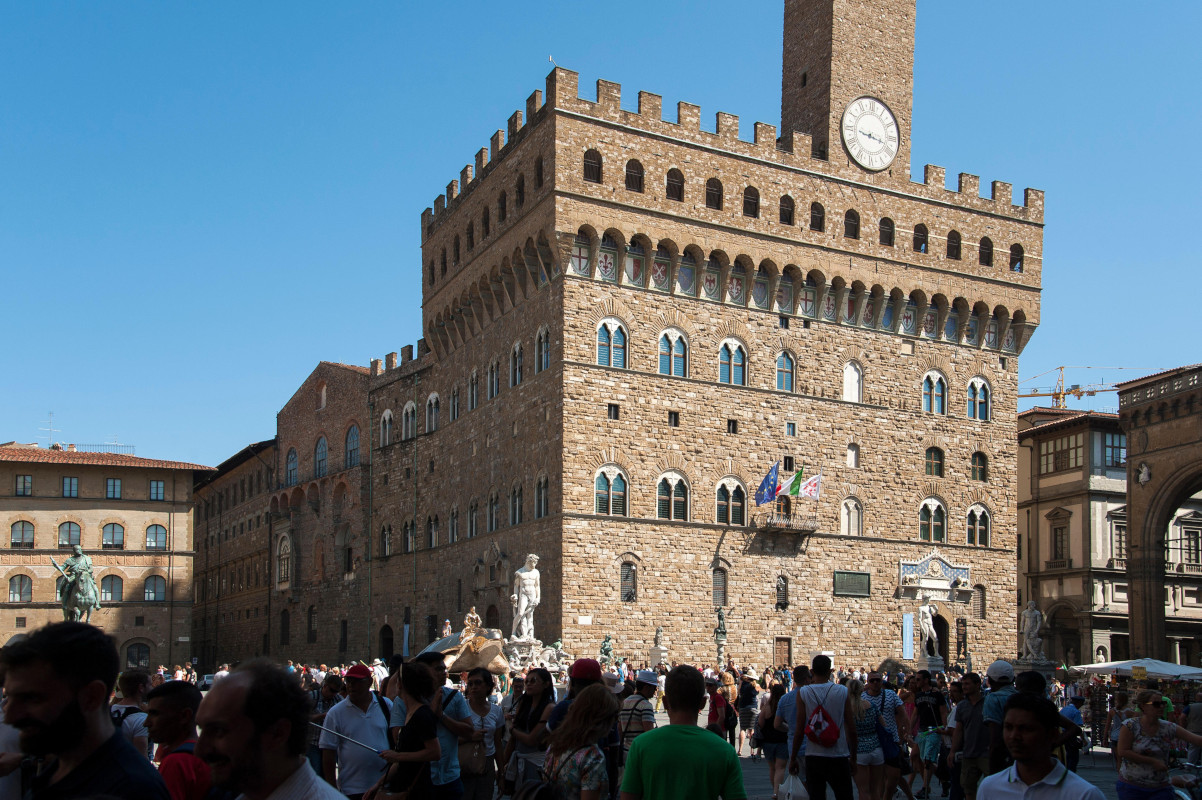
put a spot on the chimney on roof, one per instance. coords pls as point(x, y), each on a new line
point(56, 446)
point(70, 448)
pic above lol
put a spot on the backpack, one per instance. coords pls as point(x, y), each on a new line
point(215, 792)
point(546, 788)
point(820, 727)
point(118, 717)
point(732, 716)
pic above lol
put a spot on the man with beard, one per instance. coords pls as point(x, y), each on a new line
point(253, 733)
point(171, 723)
point(58, 685)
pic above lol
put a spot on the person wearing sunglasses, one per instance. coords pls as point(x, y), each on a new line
point(1145, 744)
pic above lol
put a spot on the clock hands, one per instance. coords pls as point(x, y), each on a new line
point(873, 137)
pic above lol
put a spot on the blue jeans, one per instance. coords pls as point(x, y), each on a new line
point(449, 791)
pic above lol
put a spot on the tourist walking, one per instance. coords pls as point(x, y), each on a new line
point(773, 740)
point(528, 731)
point(364, 717)
point(1001, 688)
point(171, 722)
point(870, 756)
point(821, 706)
point(478, 766)
point(970, 738)
point(410, 763)
point(747, 704)
point(1122, 710)
point(575, 763)
point(1146, 743)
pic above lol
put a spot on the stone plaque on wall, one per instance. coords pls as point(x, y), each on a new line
point(853, 584)
point(961, 638)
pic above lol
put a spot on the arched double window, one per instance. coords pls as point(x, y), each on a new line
point(111, 589)
point(978, 399)
point(386, 428)
point(20, 589)
point(784, 372)
point(409, 421)
point(68, 534)
point(112, 536)
point(731, 500)
point(291, 469)
point(853, 382)
point(432, 410)
point(321, 458)
point(494, 512)
point(454, 403)
point(385, 541)
point(155, 589)
point(494, 379)
point(351, 449)
point(672, 497)
point(283, 560)
point(515, 505)
point(609, 490)
point(713, 194)
point(978, 526)
point(732, 364)
point(934, 393)
point(673, 354)
point(934, 462)
point(851, 517)
point(542, 356)
point(541, 498)
point(932, 521)
point(611, 344)
point(22, 534)
point(516, 366)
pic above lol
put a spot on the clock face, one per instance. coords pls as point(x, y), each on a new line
point(870, 133)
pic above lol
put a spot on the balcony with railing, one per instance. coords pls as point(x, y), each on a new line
point(782, 521)
point(1059, 563)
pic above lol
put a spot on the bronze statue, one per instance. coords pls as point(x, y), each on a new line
point(80, 597)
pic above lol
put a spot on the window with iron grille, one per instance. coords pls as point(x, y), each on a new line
point(629, 583)
point(592, 166)
point(782, 592)
point(978, 602)
point(634, 176)
point(719, 587)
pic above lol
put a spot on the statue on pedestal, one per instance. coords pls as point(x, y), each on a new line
point(926, 623)
point(526, 597)
point(720, 631)
point(659, 636)
point(1032, 621)
point(80, 597)
point(471, 623)
point(607, 650)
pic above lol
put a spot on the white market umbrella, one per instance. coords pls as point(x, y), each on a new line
point(1155, 669)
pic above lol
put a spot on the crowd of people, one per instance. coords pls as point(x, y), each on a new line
point(74, 726)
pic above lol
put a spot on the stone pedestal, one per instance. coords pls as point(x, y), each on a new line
point(1041, 665)
point(931, 664)
point(659, 655)
point(720, 641)
point(522, 653)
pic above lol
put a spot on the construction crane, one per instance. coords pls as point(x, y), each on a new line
point(1060, 393)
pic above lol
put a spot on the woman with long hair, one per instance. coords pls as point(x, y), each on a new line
point(774, 742)
point(485, 741)
point(1121, 710)
point(907, 694)
point(392, 684)
point(527, 741)
point(1145, 744)
point(408, 770)
point(869, 756)
point(574, 761)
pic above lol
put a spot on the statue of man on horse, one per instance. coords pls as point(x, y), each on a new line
point(80, 597)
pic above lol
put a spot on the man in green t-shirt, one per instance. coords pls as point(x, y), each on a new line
point(681, 761)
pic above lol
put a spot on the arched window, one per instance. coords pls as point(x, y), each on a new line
point(494, 515)
point(731, 500)
point(321, 455)
point(385, 540)
point(985, 252)
point(978, 602)
point(672, 497)
point(431, 533)
point(541, 498)
point(610, 493)
point(156, 589)
point(68, 534)
point(1016, 258)
point(719, 587)
point(283, 560)
point(784, 372)
point(291, 469)
point(409, 421)
point(285, 627)
point(20, 589)
point(485, 225)
point(453, 526)
point(934, 393)
point(978, 526)
point(673, 354)
point(519, 192)
point(629, 582)
point(817, 217)
point(853, 382)
point(111, 589)
point(713, 193)
point(473, 514)
point(934, 462)
point(980, 466)
point(851, 517)
point(22, 534)
point(471, 235)
point(932, 520)
point(634, 176)
point(782, 593)
point(502, 207)
point(732, 364)
point(386, 428)
point(611, 344)
point(851, 224)
point(516, 357)
point(887, 232)
point(978, 399)
point(455, 251)
point(953, 245)
point(786, 210)
point(592, 166)
point(751, 202)
point(473, 391)
point(410, 537)
point(853, 456)
point(515, 505)
point(351, 450)
point(113, 536)
point(674, 185)
point(156, 537)
point(921, 238)
point(432, 413)
point(542, 356)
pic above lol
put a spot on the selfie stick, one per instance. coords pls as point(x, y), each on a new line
point(349, 739)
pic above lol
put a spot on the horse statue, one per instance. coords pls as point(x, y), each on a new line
point(80, 597)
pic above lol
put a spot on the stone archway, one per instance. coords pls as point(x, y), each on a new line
point(387, 647)
point(1162, 418)
point(492, 617)
point(943, 631)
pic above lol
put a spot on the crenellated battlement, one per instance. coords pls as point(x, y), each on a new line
point(793, 152)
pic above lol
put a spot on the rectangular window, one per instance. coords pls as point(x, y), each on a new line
point(70, 487)
point(789, 464)
point(24, 486)
point(157, 491)
point(1060, 543)
point(1114, 450)
point(673, 419)
point(732, 426)
point(1058, 455)
point(112, 490)
point(20, 622)
point(1120, 541)
point(784, 321)
point(790, 429)
point(1191, 543)
point(614, 411)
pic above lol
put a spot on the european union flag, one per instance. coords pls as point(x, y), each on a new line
point(767, 491)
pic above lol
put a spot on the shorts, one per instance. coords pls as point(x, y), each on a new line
point(776, 750)
point(972, 770)
point(747, 718)
point(928, 746)
point(872, 758)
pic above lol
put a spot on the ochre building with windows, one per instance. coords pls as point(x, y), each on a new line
point(132, 517)
point(628, 320)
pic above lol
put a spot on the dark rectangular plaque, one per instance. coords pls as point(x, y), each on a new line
point(961, 638)
point(853, 584)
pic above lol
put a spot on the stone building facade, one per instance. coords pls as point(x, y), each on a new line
point(628, 321)
point(132, 517)
point(1075, 543)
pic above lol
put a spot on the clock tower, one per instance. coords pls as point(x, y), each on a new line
point(838, 52)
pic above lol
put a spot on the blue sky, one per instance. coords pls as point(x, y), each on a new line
point(200, 201)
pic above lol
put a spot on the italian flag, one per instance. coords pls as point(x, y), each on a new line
point(793, 487)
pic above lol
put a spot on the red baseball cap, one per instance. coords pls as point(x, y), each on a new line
point(588, 669)
point(357, 671)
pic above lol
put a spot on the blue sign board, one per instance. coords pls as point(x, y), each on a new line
point(907, 636)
